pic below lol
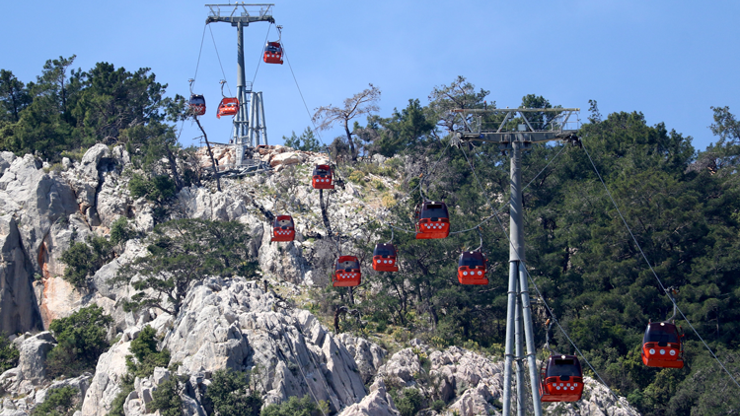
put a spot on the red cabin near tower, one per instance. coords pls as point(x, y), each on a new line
point(662, 346)
point(384, 258)
point(273, 53)
point(433, 221)
point(471, 268)
point(322, 177)
point(561, 379)
point(197, 104)
point(347, 271)
point(228, 107)
point(283, 228)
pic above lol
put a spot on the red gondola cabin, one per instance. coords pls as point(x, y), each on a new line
point(322, 178)
point(273, 53)
point(283, 228)
point(471, 268)
point(384, 258)
point(561, 379)
point(662, 346)
point(228, 107)
point(347, 271)
point(197, 104)
point(433, 221)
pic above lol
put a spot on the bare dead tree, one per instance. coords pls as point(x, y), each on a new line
point(364, 102)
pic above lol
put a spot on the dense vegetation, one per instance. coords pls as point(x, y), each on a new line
point(183, 251)
point(230, 394)
point(81, 338)
point(683, 207)
point(8, 354)
point(61, 401)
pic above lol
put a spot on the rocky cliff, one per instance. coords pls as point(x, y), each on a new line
point(225, 322)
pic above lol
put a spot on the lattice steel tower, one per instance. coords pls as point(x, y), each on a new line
point(515, 130)
point(249, 123)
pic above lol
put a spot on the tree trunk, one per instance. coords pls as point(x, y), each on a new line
point(210, 153)
point(349, 139)
point(173, 167)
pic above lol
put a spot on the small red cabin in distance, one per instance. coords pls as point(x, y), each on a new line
point(433, 221)
point(283, 228)
point(662, 346)
point(273, 53)
point(197, 104)
point(322, 177)
point(471, 268)
point(228, 107)
point(384, 258)
point(561, 379)
point(347, 272)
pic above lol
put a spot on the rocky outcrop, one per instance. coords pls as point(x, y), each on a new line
point(18, 311)
point(234, 324)
point(368, 355)
point(377, 403)
point(106, 384)
point(223, 323)
point(36, 199)
point(6, 158)
point(32, 359)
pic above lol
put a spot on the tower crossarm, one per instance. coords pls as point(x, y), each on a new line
point(240, 13)
point(524, 125)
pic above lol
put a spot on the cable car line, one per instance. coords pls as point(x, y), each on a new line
point(259, 61)
point(219, 62)
point(544, 302)
point(197, 65)
point(660, 283)
point(301, 94)
point(543, 169)
point(421, 178)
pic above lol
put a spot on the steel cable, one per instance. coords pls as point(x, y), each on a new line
point(511, 244)
point(310, 117)
point(219, 60)
point(660, 283)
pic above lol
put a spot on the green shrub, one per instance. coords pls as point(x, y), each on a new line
point(229, 393)
point(8, 354)
point(157, 188)
point(127, 386)
point(58, 402)
point(409, 402)
point(144, 349)
point(81, 340)
point(166, 399)
point(120, 231)
point(84, 259)
point(293, 407)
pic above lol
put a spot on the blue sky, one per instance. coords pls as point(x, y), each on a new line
point(670, 60)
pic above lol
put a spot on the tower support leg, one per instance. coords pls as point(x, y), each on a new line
point(521, 395)
point(510, 325)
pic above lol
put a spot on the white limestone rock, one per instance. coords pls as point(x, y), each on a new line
point(36, 199)
point(32, 357)
point(106, 383)
point(368, 355)
point(231, 323)
point(377, 403)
